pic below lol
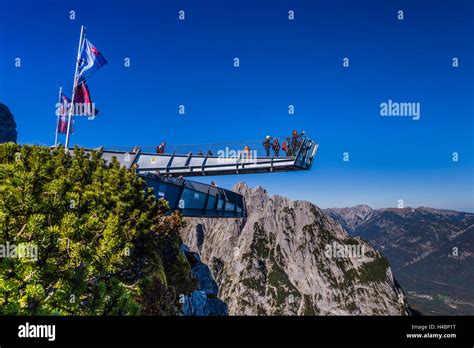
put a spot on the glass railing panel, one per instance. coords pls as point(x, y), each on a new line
point(229, 206)
point(211, 203)
point(220, 204)
point(193, 199)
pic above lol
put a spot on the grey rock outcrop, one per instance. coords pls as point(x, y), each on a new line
point(7, 125)
point(280, 261)
point(203, 301)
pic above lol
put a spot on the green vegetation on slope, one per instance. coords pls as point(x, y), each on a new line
point(104, 245)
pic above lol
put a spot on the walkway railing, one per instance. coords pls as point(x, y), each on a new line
point(274, 147)
point(249, 157)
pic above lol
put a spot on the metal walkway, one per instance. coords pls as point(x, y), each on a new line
point(164, 170)
point(218, 159)
point(195, 199)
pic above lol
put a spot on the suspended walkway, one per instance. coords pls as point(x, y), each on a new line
point(214, 159)
point(195, 199)
point(164, 169)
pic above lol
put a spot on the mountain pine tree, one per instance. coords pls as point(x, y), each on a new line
point(104, 245)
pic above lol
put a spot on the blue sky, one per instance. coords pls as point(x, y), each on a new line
point(283, 62)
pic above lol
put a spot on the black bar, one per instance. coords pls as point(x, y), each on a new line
point(243, 330)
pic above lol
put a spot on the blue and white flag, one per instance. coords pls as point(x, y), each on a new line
point(90, 60)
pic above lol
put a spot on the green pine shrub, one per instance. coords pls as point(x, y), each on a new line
point(104, 244)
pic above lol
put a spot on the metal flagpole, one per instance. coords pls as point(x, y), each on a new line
point(73, 90)
point(59, 114)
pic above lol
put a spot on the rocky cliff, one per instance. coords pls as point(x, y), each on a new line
point(7, 125)
point(290, 258)
point(203, 301)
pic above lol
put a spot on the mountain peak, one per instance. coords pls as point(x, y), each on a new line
point(350, 218)
point(276, 262)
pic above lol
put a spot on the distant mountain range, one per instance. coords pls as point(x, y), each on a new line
point(277, 262)
point(431, 252)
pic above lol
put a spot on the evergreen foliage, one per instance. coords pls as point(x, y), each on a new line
point(104, 243)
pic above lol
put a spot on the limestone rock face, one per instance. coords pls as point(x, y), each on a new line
point(290, 258)
point(202, 301)
point(7, 125)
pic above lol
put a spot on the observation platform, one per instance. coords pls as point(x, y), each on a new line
point(165, 168)
point(214, 159)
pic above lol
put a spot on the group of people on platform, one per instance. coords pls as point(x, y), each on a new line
point(290, 146)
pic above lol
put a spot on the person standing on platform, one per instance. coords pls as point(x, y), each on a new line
point(161, 148)
point(285, 148)
point(276, 147)
point(267, 145)
point(295, 142)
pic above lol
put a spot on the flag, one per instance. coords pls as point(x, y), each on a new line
point(63, 107)
point(62, 125)
point(63, 115)
point(90, 60)
point(83, 104)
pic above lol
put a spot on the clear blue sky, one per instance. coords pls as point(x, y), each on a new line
point(282, 62)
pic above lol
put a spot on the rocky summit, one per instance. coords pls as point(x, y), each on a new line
point(7, 125)
point(290, 258)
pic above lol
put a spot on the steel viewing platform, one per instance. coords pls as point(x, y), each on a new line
point(165, 169)
point(214, 159)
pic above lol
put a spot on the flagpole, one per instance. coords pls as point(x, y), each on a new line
point(73, 90)
point(59, 114)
